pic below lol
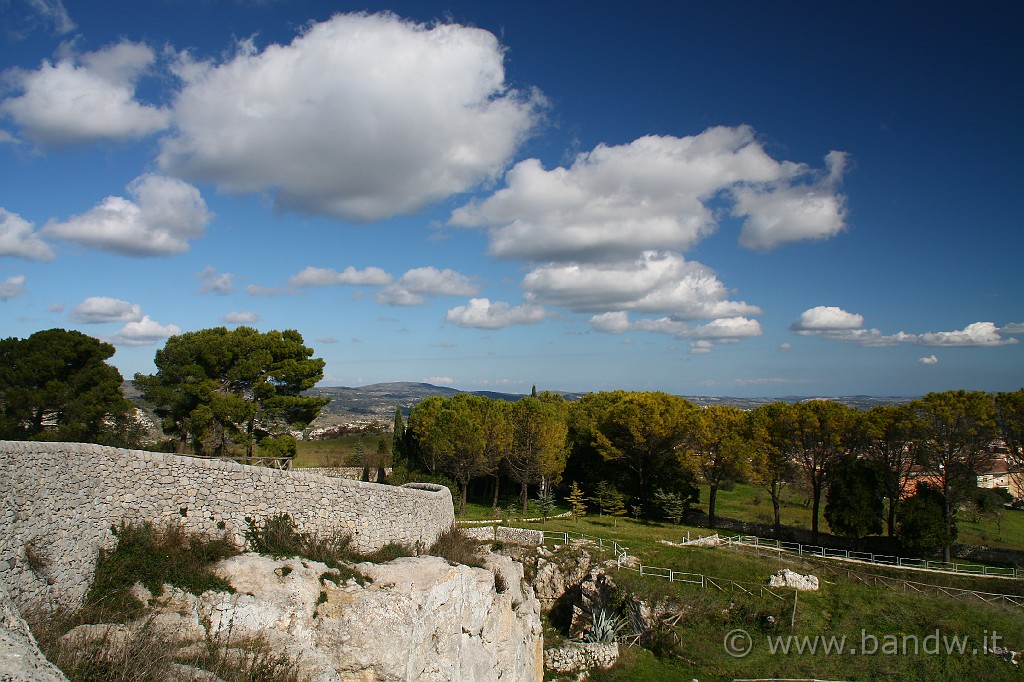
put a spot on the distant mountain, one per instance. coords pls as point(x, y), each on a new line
point(378, 401)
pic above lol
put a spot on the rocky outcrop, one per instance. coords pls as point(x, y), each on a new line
point(414, 618)
point(20, 658)
point(793, 580)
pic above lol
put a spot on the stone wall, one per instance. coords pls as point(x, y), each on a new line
point(60, 500)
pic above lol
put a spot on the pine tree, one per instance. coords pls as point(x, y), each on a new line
point(545, 501)
point(398, 454)
point(616, 505)
point(577, 502)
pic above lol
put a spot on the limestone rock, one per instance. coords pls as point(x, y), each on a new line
point(20, 658)
point(793, 580)
point(419, 618)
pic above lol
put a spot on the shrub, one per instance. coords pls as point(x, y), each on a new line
point(457, 548)
point(152, 556)
point(278, 537)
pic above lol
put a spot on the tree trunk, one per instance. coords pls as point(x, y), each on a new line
point(778, 518)
point(815, 506)
point(382, 476)
point(890, 520)
point(463, 489)
point(524, 496)
point(712, 494)
point(497, 484)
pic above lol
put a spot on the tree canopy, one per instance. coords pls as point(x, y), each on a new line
point(57, 385)
point(223, 388)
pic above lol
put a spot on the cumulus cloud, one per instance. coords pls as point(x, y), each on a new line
point(84, 98)
point(654, 283)
point(18, 239)
point(12, 287)
point(930, 360)
point(144, 332)
point(161, 217)
point(241, 317)
point(360, 117)
point(724, 330)
point(414, 286)
point(322, 277)
point(976, 334)
point(1013, 328)
point(826, 318)
point(777, 213)
point(211, 281)
point(481, 313)
point(101, 309)
point(655, 193)
point(839, 325)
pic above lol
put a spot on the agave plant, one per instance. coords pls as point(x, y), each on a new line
point(605, 627)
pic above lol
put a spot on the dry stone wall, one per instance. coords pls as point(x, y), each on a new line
point(60, 501)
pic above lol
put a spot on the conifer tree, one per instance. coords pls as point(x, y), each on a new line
point(577, 502)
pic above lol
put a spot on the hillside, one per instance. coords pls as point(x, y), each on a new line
point(377, 402)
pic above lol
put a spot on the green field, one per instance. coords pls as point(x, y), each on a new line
point(336, 452)
point(750, 503)
point(898, 621)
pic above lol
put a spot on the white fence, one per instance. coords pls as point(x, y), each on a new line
point(869, 558)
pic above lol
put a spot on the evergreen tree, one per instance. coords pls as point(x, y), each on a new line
point(399, 457)
point(577, 502)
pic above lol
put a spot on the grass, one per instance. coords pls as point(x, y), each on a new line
point(750, 503)
point(139, 651)
point(336, 452)
point(842, 608)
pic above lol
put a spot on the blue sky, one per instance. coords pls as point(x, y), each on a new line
point(735, 198)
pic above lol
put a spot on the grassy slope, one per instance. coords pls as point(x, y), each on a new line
point(842, 607)
point(750, 503)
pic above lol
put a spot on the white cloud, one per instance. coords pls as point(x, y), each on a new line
point(839, 325)
point(12, 287)
point(163, 215)
point(785, 348)
point(144, 332)
point(50, 14)
point(1013, 328)
point(360, 117)
point(264, 292)
point(976, 334)
point(414, 286)
point(655, 193)
point(615, 322)
point(930, 360)
point(327, 339)
point(211, 281)
point(481, 313)
point(826, 318)
point(322, 277)
point(778, 213)
point(241, 317)
point(723, 330)
point(654, 283)
point(19, 240)
point(701, 347)
point(101, 309)
point(439, 381)
point(85, 98)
